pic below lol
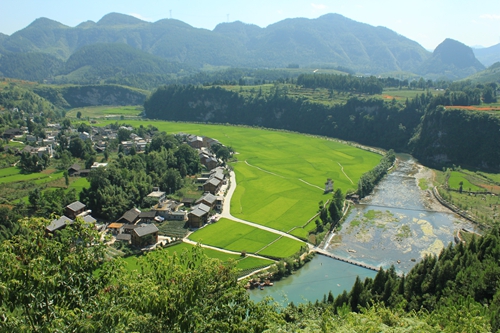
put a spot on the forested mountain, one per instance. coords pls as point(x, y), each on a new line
point(34, 66)
point(488, 55)
point(490, 74)
point(331, 39)
point(452, 60)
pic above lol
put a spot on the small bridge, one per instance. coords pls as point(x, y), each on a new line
point(352, 262)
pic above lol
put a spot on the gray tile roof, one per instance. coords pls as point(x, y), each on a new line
point(208, 197)
point(59, 223)
point(75, 206)
point(130, 216)
point(198, 212)
point(89, 219)
point(124, 237)
point(145, 215)
point(202, 206)
point(146, 230)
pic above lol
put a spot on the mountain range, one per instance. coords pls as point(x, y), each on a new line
point(169, 46)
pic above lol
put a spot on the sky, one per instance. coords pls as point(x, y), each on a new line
point(428, 22)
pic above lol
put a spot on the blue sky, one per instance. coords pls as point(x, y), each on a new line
point(428, 22)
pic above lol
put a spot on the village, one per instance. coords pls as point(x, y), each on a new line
point(135, 227)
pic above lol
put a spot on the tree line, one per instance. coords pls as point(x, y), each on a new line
point(419, 125)
point(346, 83)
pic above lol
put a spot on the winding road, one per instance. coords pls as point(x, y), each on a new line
point(226, 213)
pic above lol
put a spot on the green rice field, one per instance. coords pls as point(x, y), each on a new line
point(105, 111)
point(242, 263)
point(240, 237)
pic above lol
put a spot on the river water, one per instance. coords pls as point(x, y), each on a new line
point(397, 225)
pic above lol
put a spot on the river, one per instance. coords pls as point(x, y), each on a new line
point(398, 224)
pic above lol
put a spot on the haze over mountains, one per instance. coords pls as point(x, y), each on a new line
point(170, 46)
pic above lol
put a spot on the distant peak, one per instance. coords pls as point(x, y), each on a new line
point(450, 45)
point(119, 19)
point(43, 22)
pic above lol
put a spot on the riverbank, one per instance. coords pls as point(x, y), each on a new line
point(398, 224)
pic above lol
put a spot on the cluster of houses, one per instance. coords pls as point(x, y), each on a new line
point(100, 136)
point(136, 227)
point(71, 212)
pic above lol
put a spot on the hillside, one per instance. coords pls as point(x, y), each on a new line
point(30, 66)
point(330, 39)
point(490, 74)
point(452, 60)
point(488, 55)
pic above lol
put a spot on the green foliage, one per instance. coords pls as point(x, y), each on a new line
point(346, 83)
point(30, 66)
point(51, 284)
point(368, 181)
point(44, 278)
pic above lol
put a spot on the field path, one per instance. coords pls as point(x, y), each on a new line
point(342, 169)
point(302, 180)
point(274, 174)
point(269, 172)
point(186, 240)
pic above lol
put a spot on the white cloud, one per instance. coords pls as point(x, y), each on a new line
point(318, 6)
point(140, 17)
point(490, 16)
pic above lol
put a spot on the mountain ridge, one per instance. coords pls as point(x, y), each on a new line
point(329, 40)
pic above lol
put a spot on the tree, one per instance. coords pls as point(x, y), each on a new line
point(77, 147)
point(79, 114)
point(44, 277)
point(123, 134)
point(66, 123)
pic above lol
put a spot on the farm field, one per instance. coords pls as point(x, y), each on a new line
point(280, 175)
point(456, 177)
point(483, 207)
point(240, 237)
point(134, 263)
point(105, 111)
point(14, 174)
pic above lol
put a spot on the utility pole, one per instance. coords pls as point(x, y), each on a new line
point(170, 13)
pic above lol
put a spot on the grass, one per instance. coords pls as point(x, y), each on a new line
point(282, 248)
point(105, 111)
point(240, 237)
point(456, 177)
point(23, 177)
point(10, 171)
point(242, 263)
point(485, 208)
point(79, 184)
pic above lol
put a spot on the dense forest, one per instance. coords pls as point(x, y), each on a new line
point(435, 134)
point(126, 182)
point(63, 284)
